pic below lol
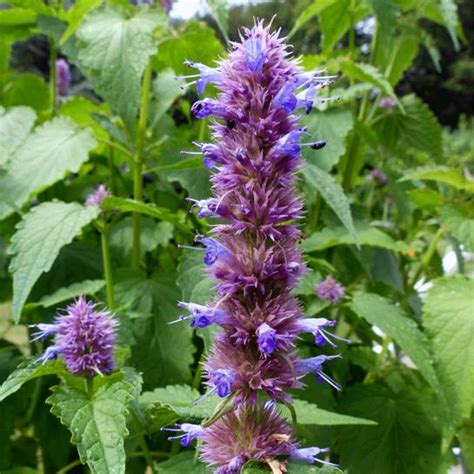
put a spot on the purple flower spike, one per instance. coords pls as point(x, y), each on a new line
point(286, 98)
point(379, 177)
point(315, 326)
point(203, 316)
point(255, 49)
point(96, 198)
point(190, 432)
point(309, 455)
point(315, 365)
point(387, 103)
point(267, 338)
point(330, 290)
point(84, 338)
point(222, 380)
point(63, 77)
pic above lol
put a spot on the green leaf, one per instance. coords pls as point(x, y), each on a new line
point(17, 17)
point(387, 13)
point(29, 90)
point(86, 287)
point(76, 15)
point(405, 51)
point(460, 223)
point(332, 194)
point(333, 126)
point(417, 127)
point(27, 371)
point(97, 423)
point(255, 467)
point(334, 21)
point(308, 13)
point(183, 462)
point(367, 73)
point(56, 147)
point(114, 50)
point(426, 198)
point(166, 89)
point(396, 324)
point(188, 44)
point(366, 235)
point(441, 174)
point(220, 12)
point(466, 438)
point(448, 318)
point(15, 125)
point(407, 422)
point(39, 238)
point(310, 414)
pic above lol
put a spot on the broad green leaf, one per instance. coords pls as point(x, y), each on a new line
point(406, 49)
point(27, 371)
point(380, 312)
point(448, 318)
point(17, 17)
point(97, 423)
point(441, 174)
point(114, 50)
point(308, 13)
point(39, 238)
point(181, 400)
point(387, 13)
point(51, 26)
point(332, 193)
point(76, 15)
point(310, 414)
point(430, 45)
point(220, 12)
point(255, 467)
point(333, 126)
point(15, 125)
point(334, 21)
point(416, 127)
point(367, 73)
point(187, 44)
point(86, 287)
point(55, 148)
point(460, 223)
point(366, 235)
point(167, 89)
point(407, 422)
point(37, 6)
point(426, 198)
point(184, 462)
point(28, 90)
point(466, 438)
point(445, 13)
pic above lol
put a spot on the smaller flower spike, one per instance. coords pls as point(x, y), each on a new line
point(315, 365)
point(96, 198)
point(190, 432)
point(83, 337)
point(63, 77)
point(203, 316)
point(330, 290)
point(315, 327)
point(309, 455)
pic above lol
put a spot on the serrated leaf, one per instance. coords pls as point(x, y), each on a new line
point(39, 238)
point(380, 312)
point(333, 126)
point(220, 12)
point(332, 193)
point(460, 224)
point(417, 127)
point(75, 16)
point(114, 50)
point(366, 235)
point(28, 90)
point(56, 147)
point(86, 287)
point(166, 89)
point(448, 318)
point(97, 423)
point(441, 174)
point(406, 49)
point(27, 371)
point(308, 13)
point(407, 422)
point(310, 414)
point(334, 21)
point(426, 198)
point(15, 125)
point(183, 462)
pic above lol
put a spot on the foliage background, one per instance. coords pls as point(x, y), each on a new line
point(402, 250)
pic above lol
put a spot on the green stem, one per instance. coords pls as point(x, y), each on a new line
point(314, 219)
point(428, 255)
point(113, 172)
point(109, 284)
point(90, 386)
point(69, 466)
point(138, 165)
point(142, 442)
point(53, 56)
point(118, 147)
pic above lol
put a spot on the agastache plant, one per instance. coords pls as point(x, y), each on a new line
point(254, 256)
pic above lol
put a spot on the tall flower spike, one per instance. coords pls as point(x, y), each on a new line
point(63, 77)
point(83, 337)
point(254, 254)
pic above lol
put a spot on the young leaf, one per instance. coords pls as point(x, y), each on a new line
point(308, 13)
point(334, 21)
point(86, 287)
point(26, 371)
point(393, 322)
point(332, 194)
point(114, 51)
point(97, 423)
point(76, 15)
point(220, 12)
point(39, 238)
point(441, 174)
point(448, 318)
point(166, 89)
point(461, 224)
point(15, 125)
point(57, 147)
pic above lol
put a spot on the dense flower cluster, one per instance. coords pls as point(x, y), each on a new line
point(63, 77)
point(254, 256)
point(330, 290)
point(96, 198)
point(83, 337)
